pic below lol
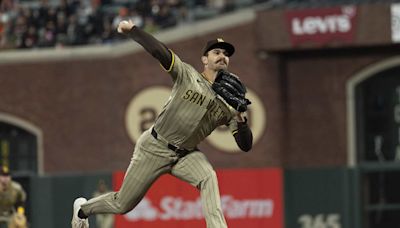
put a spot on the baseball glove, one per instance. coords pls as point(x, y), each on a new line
point(231, 89)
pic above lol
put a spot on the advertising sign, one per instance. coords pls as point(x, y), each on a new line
point(250, 198)
point(322, 26)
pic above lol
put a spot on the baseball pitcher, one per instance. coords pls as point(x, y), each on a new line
point(199, 103)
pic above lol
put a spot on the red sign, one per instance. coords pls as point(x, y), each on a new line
point(322, 26)
point(250, 198)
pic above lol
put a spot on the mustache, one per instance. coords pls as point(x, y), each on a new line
point(221, 60)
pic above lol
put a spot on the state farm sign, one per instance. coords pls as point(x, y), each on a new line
point(176, 208)
point(322, 26)
point(249, 198)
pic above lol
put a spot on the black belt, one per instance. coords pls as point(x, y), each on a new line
point(180, 152)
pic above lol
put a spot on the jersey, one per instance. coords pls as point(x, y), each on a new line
point(193, 109)
point(11, 196)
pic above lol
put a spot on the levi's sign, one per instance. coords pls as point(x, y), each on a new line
point(249, 198)
point(322, 26)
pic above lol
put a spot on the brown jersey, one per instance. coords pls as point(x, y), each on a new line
point(193, 110)
point(11, 196)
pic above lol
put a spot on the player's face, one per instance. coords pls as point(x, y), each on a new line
point(217, 59)
point(4, 181)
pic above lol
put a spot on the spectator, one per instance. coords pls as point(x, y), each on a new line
point(79, 22)
point(150, 26)
point(61, 30)
point(30, 38)
point(136, 18)
point(18, 30)
point(43, 13)
point(47, 35)
point(179, 9)
point(108, 32)
point(3, 22)
point(164, 18)
point(6, 5)
point(122, 15)
point(95, 26)
point(144, 7)
point(67, 7)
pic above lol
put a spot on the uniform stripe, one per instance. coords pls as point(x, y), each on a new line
point(193, 111)
point(196, 170)
point(191, 114)
point(172, 62)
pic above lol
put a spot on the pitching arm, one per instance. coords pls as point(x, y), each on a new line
point(153, 46)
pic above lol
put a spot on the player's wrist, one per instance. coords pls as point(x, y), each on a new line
point(241, 117)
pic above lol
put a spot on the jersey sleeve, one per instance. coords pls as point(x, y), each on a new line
point(232, 124)
point(20, 193)
point(178, 69)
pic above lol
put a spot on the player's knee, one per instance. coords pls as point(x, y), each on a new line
point(209, 179)
point(121, 206)
point(125, 209)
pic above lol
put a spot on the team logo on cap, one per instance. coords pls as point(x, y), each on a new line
point(220, 40)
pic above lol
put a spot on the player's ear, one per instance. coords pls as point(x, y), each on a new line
point(204, 59)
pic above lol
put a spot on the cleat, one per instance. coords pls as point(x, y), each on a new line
point(76, 221)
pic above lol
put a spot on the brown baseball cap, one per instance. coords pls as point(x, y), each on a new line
point(219, 43)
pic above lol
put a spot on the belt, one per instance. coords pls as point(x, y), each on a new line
point(180, 152)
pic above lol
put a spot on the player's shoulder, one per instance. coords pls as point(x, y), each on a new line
point(16, 185)
point(180, 63)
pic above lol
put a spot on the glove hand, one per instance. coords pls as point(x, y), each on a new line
point(125, 26)
point(232, 90)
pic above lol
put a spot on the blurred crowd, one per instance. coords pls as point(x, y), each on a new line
point(59, 23)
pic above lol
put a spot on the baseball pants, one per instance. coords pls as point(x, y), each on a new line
point(150, 160)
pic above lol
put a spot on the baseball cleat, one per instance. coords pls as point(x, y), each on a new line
point(76, 221)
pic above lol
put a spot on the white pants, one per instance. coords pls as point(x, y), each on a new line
point(150, 160)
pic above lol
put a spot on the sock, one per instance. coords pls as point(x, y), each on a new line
point(82, 215)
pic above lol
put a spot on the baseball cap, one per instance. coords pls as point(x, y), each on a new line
point(219, 43)
point(4, 171)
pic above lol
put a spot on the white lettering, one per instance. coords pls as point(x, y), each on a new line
point(144, 210)
point(310, 25)
point(344, 24)
point(320, 221)
point(315, 24)
point(247, 208)
point(176, 208)
point(296, 27)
